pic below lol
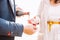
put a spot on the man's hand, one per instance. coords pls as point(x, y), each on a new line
point(29, 29)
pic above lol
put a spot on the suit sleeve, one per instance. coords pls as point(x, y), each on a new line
point(8, 28)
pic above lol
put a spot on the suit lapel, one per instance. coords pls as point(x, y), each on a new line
point(12, 4)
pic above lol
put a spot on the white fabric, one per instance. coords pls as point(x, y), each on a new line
point(49, 12)
point(54, 15)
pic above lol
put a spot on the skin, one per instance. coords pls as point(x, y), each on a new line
point(29, 28)
point(54, 2)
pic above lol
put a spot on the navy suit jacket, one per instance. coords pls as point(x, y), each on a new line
point(8, 27)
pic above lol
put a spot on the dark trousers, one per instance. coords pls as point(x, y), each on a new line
point(6, 38)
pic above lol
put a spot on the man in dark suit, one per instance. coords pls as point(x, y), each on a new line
point(8, 27)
